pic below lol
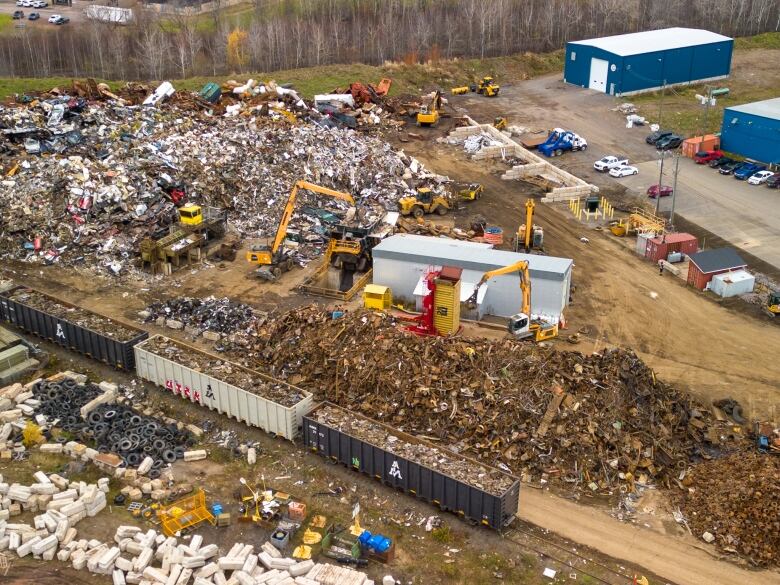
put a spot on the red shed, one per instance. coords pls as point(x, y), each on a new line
point(660, 247)
point(704, 265)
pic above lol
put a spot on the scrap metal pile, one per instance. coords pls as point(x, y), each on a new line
point(113, 168)
point(743, 513)
point(76, 315)
point(206, 314)
point(490, 480)
point(227, 372)
point(599, 421)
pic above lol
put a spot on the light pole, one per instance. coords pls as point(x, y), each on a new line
point(674, 189)
point(662, 154)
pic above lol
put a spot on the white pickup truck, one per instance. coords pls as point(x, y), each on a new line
point(609, 162)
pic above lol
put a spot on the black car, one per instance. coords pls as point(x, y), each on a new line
point(773, 182)
point(719, 162)
point(669, 142)
point(657, 135)
point(34, 16)
point(18, 15)
point(729, 168)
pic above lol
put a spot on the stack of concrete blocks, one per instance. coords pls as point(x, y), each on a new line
point(534, 165)
point(61, 504)
point(138, 557)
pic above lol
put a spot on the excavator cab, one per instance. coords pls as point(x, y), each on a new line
point(488, 87)
point(429, 114)
point(519, 326)
point(191, 214)
point(773, 303)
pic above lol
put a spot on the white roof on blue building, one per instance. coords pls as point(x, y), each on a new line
point(765, 109)
point(654, 40)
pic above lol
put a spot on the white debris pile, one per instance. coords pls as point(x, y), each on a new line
point(61, 503)
point(115, 174)
point(474, 143)
point(148, 558)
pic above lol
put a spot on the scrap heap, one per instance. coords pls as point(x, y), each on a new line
point(740, 515)
point(598, 421)
point(114, 168)
point(206, 314)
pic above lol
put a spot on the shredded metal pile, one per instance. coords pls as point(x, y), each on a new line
point(595, 422)
point(229, 373)
point(112, 169)
point(207, 314)
point(77, 315)
point(737, 500)
point(490, 480)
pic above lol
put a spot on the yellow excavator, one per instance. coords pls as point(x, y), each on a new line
point(429, 114)
point(488, 87)
point(520, 325)
point(423, 202)
point(773, 303)
point(529, 236)
point(274, 259)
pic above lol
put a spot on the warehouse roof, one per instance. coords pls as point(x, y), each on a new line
point(717, 260)
point(765, 109)
point(654, 40)
point(471, 255)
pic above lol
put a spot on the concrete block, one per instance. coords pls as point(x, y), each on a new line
point(173, 574)
point(307, 581)
point(123, 564)
point(174, 324)
point(134, 548)
point(108, 558)
point(49, 554)
point(265, 559)
point(269, 577)
point(230, 563)
point(62, 529)
point(203, 581)
point(243, 578)
point(25, 548)
point(63, 555)
point(247, 550)
point(207, 570)
point(195, 430)
point(127, 531)
point(133, 578)
point(219, 578)
point(145, 466)
point(249, 564)
point(118, 577)
point(282, 564)
point(51, 448)
point(5, 542)
point(142, 560)
point(301, 568)
point(49, 523)
point(184, 577)
point(195, 455)
point(272, 551)
point(154, 575)
point(208, 551)
point(193, 562)
point(41, 477)
point(251, 456)
point(78, 559)
point(70, 535)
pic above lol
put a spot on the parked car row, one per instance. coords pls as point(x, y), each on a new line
point(664, 140)
point(752, 172)
point(19, 15)
point(32, 3)
point(616, 165)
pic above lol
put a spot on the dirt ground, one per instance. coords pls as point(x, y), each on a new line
point(711, 349)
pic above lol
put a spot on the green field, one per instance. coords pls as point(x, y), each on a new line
point(6, 22)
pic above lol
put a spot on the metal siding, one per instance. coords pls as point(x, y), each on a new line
point(217, 395)
point(751, 136)
point(711, 60)
point(576, 72)
point(677, 65)
point(642, 72)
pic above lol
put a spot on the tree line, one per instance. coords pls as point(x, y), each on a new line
point(287, 34)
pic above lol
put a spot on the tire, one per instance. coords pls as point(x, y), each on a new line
point(276, 271)
point(441, 210)
point(635, 173)
point(418, 211)
point(558, 152)
point(169, 456)
point(584, 148)
point(289, 264)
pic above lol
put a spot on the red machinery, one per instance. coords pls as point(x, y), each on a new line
point(424, 321)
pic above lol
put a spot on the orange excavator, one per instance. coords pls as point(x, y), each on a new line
point(274, 259)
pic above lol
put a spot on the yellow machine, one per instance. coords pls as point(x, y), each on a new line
point(520, 325)
point(191, 214)
point(460, 90)
point(429, 114)
point(274, 259)
point(530, 236)
point(488, 87)
point(424, 202)
point(500, 123)
point(773, 303)
point(472, 192)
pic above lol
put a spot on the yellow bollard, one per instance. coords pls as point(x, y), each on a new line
point(611, 212)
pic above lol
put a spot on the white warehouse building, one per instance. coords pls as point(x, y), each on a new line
point(401, 261)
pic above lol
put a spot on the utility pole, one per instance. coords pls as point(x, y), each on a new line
point(660, 182)
point(674, 189)
point(661, 103)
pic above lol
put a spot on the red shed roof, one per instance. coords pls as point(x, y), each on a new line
point(673, 238)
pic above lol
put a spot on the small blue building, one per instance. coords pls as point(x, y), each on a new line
point(645, 61)
point(753, 131)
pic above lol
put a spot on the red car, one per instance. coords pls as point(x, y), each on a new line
point(653, 190)
point(704, 156)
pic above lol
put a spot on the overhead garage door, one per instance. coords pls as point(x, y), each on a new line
point(598, 74)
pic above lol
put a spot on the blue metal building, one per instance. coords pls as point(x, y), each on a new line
point(753, 131)
point(645, 61)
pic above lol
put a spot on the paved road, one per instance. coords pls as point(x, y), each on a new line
point(75, 12)
point(746, 215)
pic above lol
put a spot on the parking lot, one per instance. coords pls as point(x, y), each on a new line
point(75, 12)
point(745, 215)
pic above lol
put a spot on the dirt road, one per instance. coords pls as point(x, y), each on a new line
point(680, 560)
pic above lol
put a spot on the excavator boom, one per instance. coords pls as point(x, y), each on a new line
point(525, 284)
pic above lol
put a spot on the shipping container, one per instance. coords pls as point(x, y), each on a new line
point(83, 331)
point(251, 404)
point(732, 284)
point(495, 508)
point(660, 247)
point(700, 143)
